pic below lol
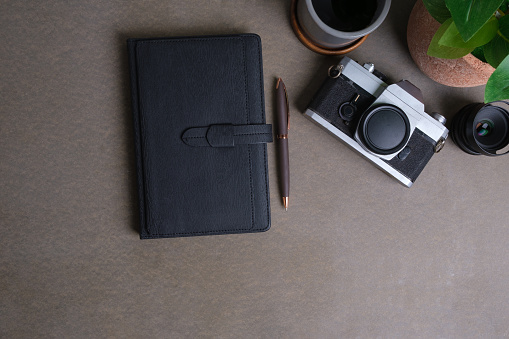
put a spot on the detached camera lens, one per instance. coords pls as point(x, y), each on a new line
point(482, 128)
point(384, 129)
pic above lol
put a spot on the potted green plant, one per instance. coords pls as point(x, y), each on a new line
point(479, 28)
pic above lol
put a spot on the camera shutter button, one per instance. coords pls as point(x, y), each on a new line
point(369, 66)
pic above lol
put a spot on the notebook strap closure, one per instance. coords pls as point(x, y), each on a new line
point(227, 135)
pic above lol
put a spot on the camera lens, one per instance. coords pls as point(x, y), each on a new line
point(384, 129)
point(482, 129)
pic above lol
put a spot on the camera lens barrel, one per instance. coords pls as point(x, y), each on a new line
point(482, 128)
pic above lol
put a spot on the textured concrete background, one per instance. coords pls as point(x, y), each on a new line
point(356, 255)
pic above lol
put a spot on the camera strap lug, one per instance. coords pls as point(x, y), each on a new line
point(440, 144)
point(335, 71)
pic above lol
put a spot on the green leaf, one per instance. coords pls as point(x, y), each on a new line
point(452, 37)
point(503, 27)
point(504, 6)
point(479, 53)
point(437, 9)
point(497, 87)
point(498, 48)
point(496, 51)
point(445, 52)
point(471, 15)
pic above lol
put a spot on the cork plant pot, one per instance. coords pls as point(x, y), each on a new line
point(467, 71)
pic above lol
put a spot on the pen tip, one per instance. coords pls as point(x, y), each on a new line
point(285, 203)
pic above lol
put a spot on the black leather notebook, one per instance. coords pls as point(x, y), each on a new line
point(200, 135)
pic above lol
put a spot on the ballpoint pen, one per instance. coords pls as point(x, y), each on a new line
point(283, 117)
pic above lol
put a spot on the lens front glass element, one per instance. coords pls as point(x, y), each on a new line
point(484, 128)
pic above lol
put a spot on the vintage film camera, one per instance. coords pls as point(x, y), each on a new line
point(385, 123)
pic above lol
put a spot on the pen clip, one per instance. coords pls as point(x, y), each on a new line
point(279, 80)
point(287, 109)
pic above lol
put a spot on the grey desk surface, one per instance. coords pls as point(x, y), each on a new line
point(356, 255)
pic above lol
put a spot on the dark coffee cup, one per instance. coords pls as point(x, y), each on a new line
point(334, 24)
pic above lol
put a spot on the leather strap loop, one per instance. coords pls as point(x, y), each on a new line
point(227, 135)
